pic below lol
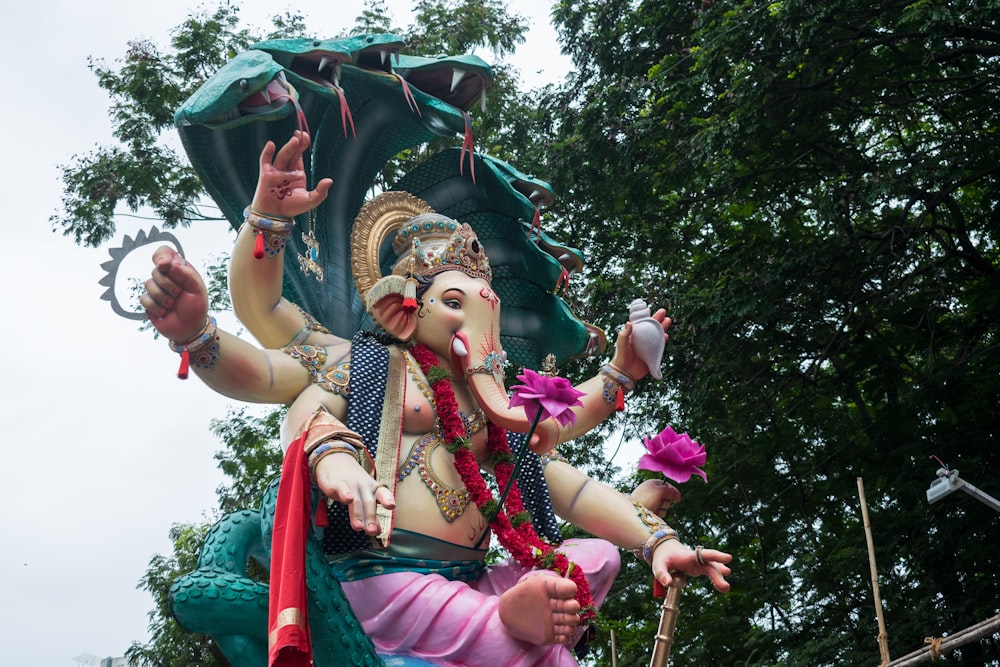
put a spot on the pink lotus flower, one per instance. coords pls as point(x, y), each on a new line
point(545, 396)
point(676, 456)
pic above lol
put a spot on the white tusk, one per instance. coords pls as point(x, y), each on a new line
point(456, 77)
point(336, 73)
point(267, 95)
point(458, 347)
point(322, 64)
point(384, 54)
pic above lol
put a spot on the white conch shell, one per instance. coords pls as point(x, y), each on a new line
point(647, 337)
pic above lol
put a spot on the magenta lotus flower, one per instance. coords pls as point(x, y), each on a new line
point(546, 396)
point(676, 456)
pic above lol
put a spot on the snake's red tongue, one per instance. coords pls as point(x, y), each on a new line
point(273, 96)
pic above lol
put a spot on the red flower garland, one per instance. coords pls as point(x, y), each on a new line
point(521, 540)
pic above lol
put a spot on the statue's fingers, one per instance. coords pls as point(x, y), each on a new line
point(339, 492)
point(290, 153)
point(319, 194)
point(716, 576)
point(161, 289)
point(266, 156)
point(717, 556)
point(384, 497)
point(180, 276)
point(368, 517)
point(304, 141)
point(662, 574)
point(163, 256)
point(152, 308)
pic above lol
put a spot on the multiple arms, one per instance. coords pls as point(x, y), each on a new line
point(177, 303)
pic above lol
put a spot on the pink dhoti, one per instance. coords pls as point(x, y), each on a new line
point(456, 624)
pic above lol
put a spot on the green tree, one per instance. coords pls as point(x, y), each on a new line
point(251, 459)
point(812, 189)
point(169, 645)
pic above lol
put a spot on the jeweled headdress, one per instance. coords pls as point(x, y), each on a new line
point(431, 243)
point(424, 243)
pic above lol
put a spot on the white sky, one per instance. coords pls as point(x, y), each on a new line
point(104, 448)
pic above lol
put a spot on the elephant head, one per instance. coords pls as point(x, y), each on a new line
point(438, 293)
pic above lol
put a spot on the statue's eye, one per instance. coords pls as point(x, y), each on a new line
point(454, 304)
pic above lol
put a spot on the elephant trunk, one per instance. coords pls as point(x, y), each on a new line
point(485, 380)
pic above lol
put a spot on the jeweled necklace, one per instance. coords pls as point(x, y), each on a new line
point(512, 524)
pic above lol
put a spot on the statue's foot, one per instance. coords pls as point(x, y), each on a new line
point(540, 610)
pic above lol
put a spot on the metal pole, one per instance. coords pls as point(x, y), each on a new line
point(668, 620)
point(883, 638)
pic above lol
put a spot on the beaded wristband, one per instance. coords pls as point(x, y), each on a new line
point(272, 232)
point(200, 340)
point(616, 374)
point(326, 449)
point(656, 539)
point(202, 350)
point(551, 456)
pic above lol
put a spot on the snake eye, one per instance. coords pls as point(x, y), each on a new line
point(244, 84)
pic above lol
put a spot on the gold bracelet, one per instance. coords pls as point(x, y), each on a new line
point(272, 235)
point(327, 448)
point(199, 340)
point(272, 223)
point(646, 549)
point(619, 376)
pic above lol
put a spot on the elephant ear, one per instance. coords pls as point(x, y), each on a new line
point(385, 303)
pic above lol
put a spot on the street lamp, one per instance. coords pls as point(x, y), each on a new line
point(948, 482)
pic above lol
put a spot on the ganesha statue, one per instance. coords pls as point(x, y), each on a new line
point(392, 434)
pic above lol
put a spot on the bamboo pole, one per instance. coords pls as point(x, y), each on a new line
point(668, 620)
point(614, 650)
point(938, 647)
point(883, 637)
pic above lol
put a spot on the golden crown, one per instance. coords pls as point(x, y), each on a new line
point(431, 243)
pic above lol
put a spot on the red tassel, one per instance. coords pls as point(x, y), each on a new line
point(321, 520)
point(410, 292)
point(258, 246)
point(659, 591)
point(620, 400)
point(182, 372)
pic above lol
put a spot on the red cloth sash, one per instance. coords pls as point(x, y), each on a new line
point(288, 639)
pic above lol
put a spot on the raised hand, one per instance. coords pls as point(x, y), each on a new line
point(175, 298)
point(282, 189)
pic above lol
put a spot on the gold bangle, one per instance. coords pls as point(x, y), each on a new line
point(275, 224)
point(646, 549)
point(201, 340)
point(619, 376)
point(326, 449)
